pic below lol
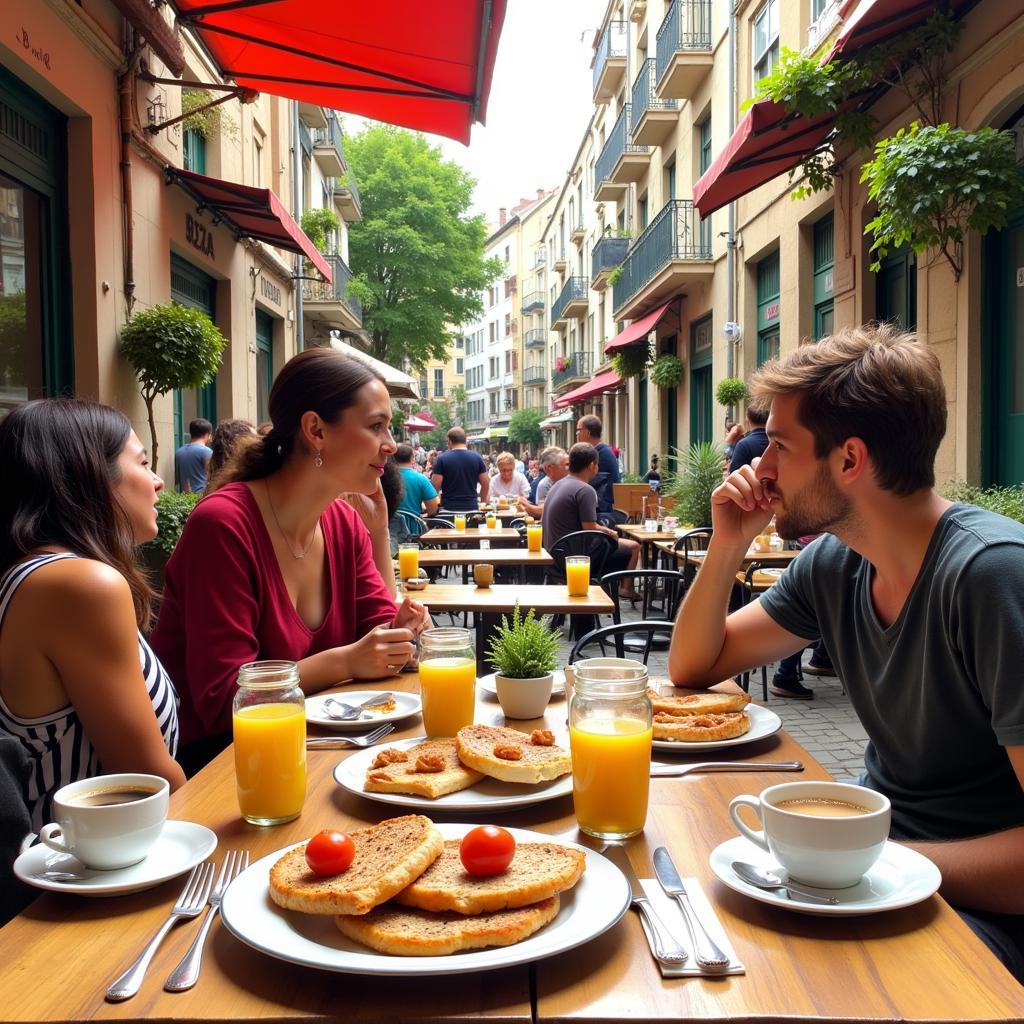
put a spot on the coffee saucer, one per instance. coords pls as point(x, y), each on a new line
point(181, 846)
point(899, 878)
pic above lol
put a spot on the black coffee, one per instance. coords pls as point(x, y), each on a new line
point(113, 795)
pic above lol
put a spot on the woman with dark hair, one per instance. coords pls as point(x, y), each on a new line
point(274, 566)
point(79, 686)
point(227, 438)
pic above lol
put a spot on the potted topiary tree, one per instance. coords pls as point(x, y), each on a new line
point(730, 391)
point(171, 347)
point(524, 653)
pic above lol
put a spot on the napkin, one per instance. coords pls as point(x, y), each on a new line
point(671, 916)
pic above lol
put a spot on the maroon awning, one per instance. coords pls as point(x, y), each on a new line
point(638, 330)
point(417, 424)
point(249, 211)
point(602, 382)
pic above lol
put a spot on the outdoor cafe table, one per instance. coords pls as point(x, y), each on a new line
point(439, 535)
point(776, 558)
point(467, 557)
point(917, 964)
point(647, 539)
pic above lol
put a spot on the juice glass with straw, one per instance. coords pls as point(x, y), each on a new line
point(534, 535)
point(269, 724)
point(409, 561)
point(577, 575)
point(447, 680)
point(610, 735)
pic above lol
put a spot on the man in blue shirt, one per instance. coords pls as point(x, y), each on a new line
point(192, 460)
point(457, 474)
point(419, 498)
point(752, 444)
point(588, 431)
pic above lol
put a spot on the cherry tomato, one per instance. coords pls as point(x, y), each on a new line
point(487, 850)
point(329, 853)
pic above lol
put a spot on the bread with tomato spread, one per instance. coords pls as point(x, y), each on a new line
point(405, 931)
point(700, 728)
point(510, 755)
point(537, 871)
point(697, 702)
point(388, 857)
point(429, 769)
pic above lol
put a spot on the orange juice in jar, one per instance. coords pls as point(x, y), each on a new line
point(577, 575)
point(269, 724)
point(534, 536)
point(447, 680)
point(409, 561)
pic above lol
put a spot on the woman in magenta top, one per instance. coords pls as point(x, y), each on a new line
point(275, 566)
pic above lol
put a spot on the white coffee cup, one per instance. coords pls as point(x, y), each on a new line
point(824, 851)
point(108, 821)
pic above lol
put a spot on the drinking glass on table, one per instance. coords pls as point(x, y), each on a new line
point(460, 524)
point(447, 680)
point(577, 575)
point(409, 561)
point(492, 521)
point(534, 537)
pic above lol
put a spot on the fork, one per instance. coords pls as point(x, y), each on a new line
point(186, 974)
point(190, 904)
point(351, 741)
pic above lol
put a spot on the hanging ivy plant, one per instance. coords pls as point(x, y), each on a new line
point(667, 371)
point(319, 223)
point(209, 123)
point(730, 391)
point(631, 361)
point(613, 277)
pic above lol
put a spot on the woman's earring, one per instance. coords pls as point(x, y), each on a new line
point(318, 460)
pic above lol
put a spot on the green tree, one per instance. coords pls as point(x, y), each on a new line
point(438, 437)
point(417, 255)
point(524, 426)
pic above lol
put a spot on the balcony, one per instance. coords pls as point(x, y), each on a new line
point(620, 161)
point(559, 264)
point(637, 10)
point(684, 48)
point(653, 118)
point(346, 198)
point(312, 114)
point(577, 232)
point(328, 304)
point(608, 254)
point(540, 257)
point(536, 338)
point(533, 303)
point(610, 61)
point(533, 376)
point(671, 255)
point(575, 368)
point(327, 149)
point(500, 417)
point(571, 303)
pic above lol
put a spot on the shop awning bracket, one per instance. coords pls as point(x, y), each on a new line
point(231, 92)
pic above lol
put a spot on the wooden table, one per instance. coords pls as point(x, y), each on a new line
point(647, 539)
point(918, 964)
point(439, 535)
point(776, 558)
point(490, 556)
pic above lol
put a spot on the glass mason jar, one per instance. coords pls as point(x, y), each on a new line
point(269, 718)
point(447, 680)
point(610, 732)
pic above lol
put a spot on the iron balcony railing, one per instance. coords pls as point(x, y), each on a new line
point(617, 144)
point(674, 234)
point(575, 290)
point(607, 255)
point(537, 338)
point(687, 26)
point(305, 139)
point(612, 44)
point(321, 291)
point(576, 365)
point(645, 93)
point(329, 136)
point(533, 303)
point(539, 258)
point(533, 375)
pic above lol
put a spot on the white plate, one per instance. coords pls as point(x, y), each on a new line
point(901, 877)
point(181, 846)
point(406, 704)
point(763, 722)
point(485, 795)
point(488, 685)
point(776, 572)
point(596, 903)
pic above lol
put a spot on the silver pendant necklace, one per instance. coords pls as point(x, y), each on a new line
point(284, 536)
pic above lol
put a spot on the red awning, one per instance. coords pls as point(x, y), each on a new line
point(415, 424)
point(421, 65)
point(769, 141)
point(249, 211)
point(602, 382)
point(639, 330)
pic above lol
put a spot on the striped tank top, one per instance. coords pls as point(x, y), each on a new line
point(57, 744)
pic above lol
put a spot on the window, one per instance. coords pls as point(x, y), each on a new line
point(818, 8)
point(766, 40)
point(423, 383)
point(670, 180)
point(506, 255)
point(508, 324)
point(458, 367)
point(193, 151)
point(824, 264)
point(492, 367)
point(512, 402)
point(768, 308)
point(459, 342)
point(508, 362)
point(641, 212)
point(705, 163)
point(257, 163)
point(439, 383)
point(492, 328)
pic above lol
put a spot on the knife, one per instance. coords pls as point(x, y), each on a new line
point(663, 947)
point(705, 951)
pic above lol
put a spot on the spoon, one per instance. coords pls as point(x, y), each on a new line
point(762, 879)
point(347, 712)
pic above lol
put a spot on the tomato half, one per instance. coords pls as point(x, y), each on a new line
point(329, 853)
point(487, 850)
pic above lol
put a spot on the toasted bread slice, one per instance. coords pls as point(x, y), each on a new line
point(401, 931)
point(388, 857)
point(699, 728)
point(698, 702)
point(537, 871)
point(510, 755)
point(430, 769)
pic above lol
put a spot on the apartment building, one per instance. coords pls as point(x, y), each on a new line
point(531, 275)
point(439, 378)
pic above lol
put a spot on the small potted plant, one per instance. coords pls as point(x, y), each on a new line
point(524, 653)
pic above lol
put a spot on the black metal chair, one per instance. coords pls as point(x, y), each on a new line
point(413, 523)
point(661, 592)
point(696, 539)
point(617, 517)
point(437, 523)
point(617, 634)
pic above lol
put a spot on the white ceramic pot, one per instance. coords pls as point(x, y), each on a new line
point(524, 698)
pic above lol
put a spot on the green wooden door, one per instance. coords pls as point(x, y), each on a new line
point(701, 421)
point(190, 286)
point(264, 364)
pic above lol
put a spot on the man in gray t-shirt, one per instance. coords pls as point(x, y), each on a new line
point(918, 601)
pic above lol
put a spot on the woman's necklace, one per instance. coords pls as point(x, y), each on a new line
point(273, 512)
